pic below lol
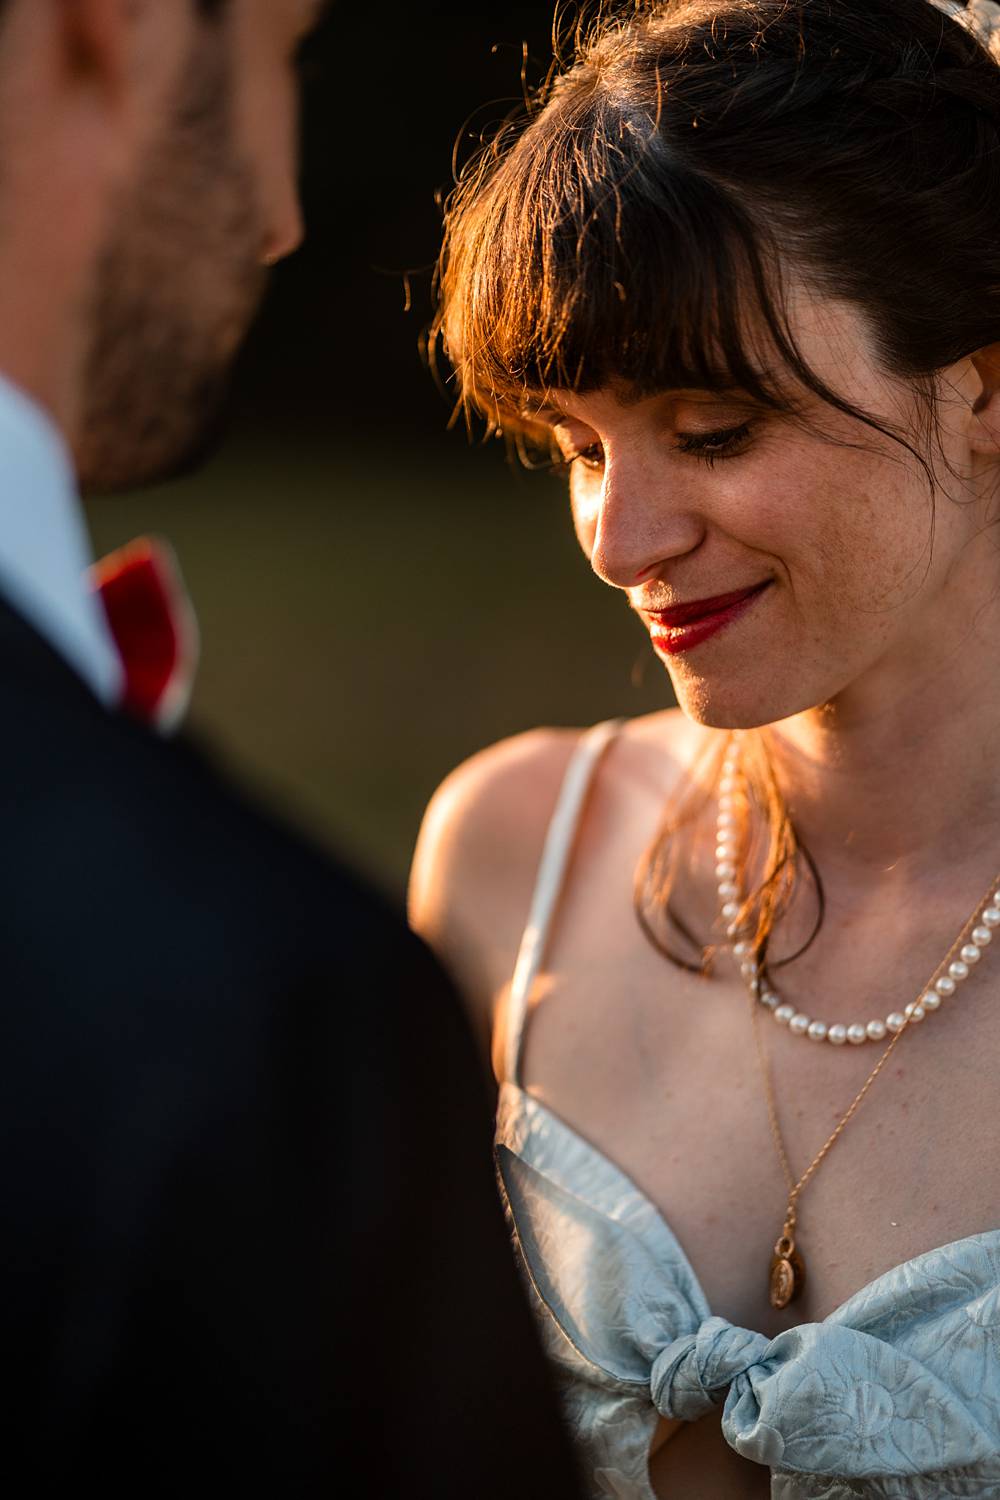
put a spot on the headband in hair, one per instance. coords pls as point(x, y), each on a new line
point(981, 17)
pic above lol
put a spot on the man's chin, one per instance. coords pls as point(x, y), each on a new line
point(106, 468)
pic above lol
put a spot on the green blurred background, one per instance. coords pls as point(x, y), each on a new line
point(378, 597)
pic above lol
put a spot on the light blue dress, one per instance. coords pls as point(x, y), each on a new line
point(895, 1396)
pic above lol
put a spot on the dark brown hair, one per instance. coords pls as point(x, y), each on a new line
point(633, 225)
point(626, 227)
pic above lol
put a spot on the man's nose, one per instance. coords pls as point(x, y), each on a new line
point(640, 524)
point(286, 235)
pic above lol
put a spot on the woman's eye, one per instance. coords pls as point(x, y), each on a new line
point(591, 457)
point(710, 446)
point(706, 446)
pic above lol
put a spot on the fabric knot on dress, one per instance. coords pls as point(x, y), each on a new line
point(895, 1393)
point(694, 1373)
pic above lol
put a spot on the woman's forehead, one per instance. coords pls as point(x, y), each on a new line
point(832, 337)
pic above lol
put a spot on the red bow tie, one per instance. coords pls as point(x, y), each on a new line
point(154, 627)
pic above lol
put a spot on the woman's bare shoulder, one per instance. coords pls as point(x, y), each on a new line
point(477, 856)
point(479, 847)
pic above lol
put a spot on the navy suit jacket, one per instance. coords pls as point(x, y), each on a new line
point(248, 1226)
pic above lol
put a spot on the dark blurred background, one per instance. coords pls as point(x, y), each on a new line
point(379, 598)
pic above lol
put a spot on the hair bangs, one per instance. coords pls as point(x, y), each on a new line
point(589, 256)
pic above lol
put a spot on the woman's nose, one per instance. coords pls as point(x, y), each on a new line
point(639, 525)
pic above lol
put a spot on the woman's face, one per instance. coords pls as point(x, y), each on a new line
point(776, 567)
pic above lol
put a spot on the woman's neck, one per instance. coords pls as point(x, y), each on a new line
point(898, 778)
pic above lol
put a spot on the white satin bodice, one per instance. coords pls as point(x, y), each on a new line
point(894, 1396)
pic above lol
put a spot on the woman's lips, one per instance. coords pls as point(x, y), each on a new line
point(684, 626)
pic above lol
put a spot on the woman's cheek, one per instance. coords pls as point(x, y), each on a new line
point(585, 501)
point(778, 514)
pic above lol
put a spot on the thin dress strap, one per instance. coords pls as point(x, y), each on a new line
point(548, 885)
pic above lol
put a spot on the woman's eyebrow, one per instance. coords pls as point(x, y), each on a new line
point(551, 414)
point(546, 413)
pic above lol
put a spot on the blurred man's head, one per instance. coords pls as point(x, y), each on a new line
point(147, 179)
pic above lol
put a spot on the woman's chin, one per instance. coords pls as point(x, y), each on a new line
point(719, 704)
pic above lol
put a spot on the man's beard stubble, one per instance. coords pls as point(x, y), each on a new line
point(177, 287)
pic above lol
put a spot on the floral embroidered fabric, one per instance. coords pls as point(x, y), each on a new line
point(896, 1394)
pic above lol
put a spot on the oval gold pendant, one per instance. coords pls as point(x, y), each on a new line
point(788, 1273)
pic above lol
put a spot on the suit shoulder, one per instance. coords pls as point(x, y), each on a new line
point(150, 844)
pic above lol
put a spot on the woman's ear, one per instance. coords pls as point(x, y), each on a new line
point(984, 421)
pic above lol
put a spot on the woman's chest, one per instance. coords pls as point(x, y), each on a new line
point(664, 1080)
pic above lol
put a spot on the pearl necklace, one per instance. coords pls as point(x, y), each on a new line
point(965, 953)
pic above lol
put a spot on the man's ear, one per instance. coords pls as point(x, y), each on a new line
point(984, 421)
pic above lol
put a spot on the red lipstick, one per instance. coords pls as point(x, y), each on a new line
point(684, 626)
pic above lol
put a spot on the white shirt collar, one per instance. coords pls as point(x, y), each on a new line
point(45, 551)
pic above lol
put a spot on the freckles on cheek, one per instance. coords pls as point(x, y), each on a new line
point(773, 517)
point(854, 537)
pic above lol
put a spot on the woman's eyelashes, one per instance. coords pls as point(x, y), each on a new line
point(726, 442)
point(591, 457)
point(708, 447)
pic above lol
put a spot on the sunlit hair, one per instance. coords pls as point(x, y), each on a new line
point(638, 227)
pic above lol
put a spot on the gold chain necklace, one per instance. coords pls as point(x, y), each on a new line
point(786, 1278)
point(787, 1274)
